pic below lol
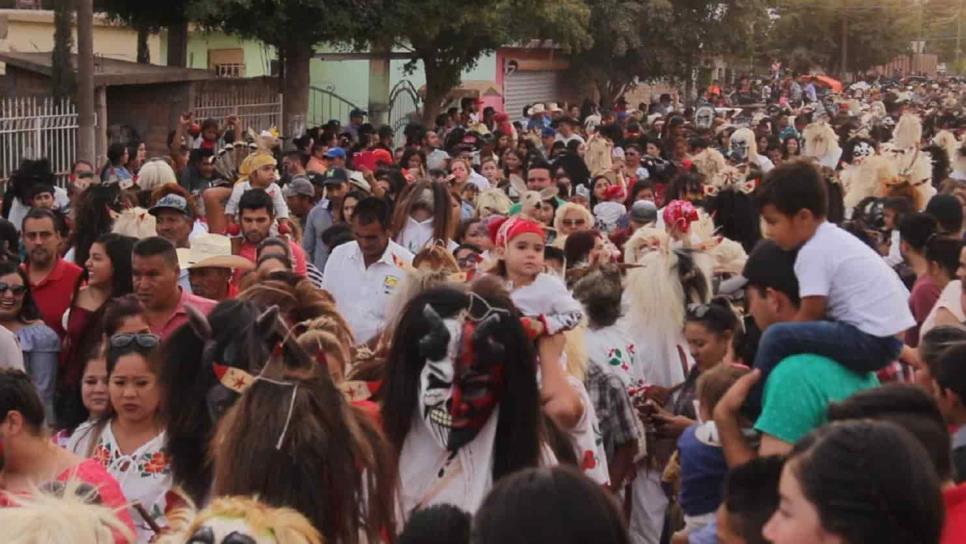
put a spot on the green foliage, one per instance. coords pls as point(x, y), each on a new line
point(877, 31)
point(141, 14)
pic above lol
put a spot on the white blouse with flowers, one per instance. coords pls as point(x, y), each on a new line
point(144, 475)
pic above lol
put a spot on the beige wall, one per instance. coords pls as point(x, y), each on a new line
point(31, 31)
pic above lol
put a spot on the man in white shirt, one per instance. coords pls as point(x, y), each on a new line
point(362, 275)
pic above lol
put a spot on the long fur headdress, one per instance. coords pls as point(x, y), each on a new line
point(283, 525)
point(821, 142)
point(908, 132)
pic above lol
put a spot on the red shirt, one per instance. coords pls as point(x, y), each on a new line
point(91, 472)
point(53, 294)
point(954, 531)
point(180, 316)
point(922, 298)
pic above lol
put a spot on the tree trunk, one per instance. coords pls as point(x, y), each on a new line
point(85, 80)
point(439, 82)
point(178, 44)
point(62, 76)
point(295, 89)
point(144, 54)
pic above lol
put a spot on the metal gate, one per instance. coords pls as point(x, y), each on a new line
point(404, 106)
point(255, 109)
point(528, 87)
point(34, 128)
point(325, 104)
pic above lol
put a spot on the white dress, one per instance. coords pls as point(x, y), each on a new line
point(144, 475)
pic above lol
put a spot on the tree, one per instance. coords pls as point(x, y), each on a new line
point(450, 36)
point(148, 17)
point(62, 73)
point(294, 28)
point(868, 32)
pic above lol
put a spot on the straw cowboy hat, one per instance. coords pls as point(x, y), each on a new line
point(211, 251)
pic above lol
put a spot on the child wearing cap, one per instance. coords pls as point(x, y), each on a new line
point(261, 175)
point(853, 305)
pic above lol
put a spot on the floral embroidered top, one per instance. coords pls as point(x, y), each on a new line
point(144, 475)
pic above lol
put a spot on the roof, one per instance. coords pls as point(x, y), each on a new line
point(108, 72)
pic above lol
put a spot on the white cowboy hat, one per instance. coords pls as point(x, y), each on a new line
point(211, 251)
point(537, 108)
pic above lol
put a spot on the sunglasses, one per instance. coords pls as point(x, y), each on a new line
point(144, 340)
point(85, 175)
point(574, 222)
point(17, 290)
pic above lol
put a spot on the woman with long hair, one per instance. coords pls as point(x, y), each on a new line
point(107, 275)
point(129, 441)
point(39, 343)
point(858, 481)
point(498, 430)
point(791, 148)
point(93, 217)
point(423, 214)
point(114, 170)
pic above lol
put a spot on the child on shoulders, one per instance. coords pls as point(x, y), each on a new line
point(853, 306)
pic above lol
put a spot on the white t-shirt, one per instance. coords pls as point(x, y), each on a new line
point(361, 294)
point(951, 300)
point(859, 287)
point(548, 299)
point(273, 190)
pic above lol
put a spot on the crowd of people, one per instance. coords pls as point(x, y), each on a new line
point(740, 321)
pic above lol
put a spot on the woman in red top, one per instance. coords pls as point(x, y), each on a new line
point(31, 459)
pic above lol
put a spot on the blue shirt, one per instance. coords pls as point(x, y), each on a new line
point(703, 470)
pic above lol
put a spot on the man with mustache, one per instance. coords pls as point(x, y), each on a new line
point(52, 279)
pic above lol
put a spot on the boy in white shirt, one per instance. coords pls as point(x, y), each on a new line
point(853, 306)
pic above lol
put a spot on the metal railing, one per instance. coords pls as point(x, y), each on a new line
point(404, 106)
point(34, 128)
point(325, 104)
point(258, 111)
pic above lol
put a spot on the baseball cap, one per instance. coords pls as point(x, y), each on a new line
point(643, 212)
point(299, 186)
point(171, 202)
point(335, 153)
point(767, 266)
point(357, 180)
point(335, 176)
point(358, 112)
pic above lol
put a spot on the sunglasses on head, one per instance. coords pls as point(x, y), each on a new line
point(144, 340)
point(17, 290)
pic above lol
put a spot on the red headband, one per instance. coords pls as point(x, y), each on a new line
point(515, 226)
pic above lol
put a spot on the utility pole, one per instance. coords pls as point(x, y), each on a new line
point(85, 80)
point(845, 42)
point(959, 32)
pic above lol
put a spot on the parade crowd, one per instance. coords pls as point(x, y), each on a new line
point(737, 321)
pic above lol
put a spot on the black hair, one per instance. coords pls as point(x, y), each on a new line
point(950, 370)
point(18, 393)
point(736, 217)
point(899, 204)
point(684, 182)
point(915, 229)
point(118, 309)
point(744, 346)
point(41, 213)
point(372, 209)
point(118, 248)
point(578, 245)
point(275, 242)
point(570, 508)
point(92, 217)
point(437, 524)
point(336, 235)
point(909, 407)
point(553, 253)
point(114, 153)
point(298, 155)
point(948, 212)
point(472, 247)
point(28, 310)
point(717, 316)
point(794, 186)
point(256, 199)
point(151, 354)
point(600, 293)
point(751, 496)
point(944, 251)
point(936, 341)
point(156, 246)
point(9, 241)
point(870, 481)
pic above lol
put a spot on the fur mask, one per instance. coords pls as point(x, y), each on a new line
point(242, 520)
point(744, 147)
point(908, 132)
point(822, 143)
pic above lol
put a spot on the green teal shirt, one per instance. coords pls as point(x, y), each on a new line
point(799, 390)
